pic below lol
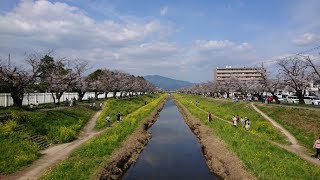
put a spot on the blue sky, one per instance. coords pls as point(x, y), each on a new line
point(179, 39)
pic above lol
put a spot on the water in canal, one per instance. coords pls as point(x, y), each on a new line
point(172, 153)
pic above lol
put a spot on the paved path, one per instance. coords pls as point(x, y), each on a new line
point(56, 153)
point(294, 147)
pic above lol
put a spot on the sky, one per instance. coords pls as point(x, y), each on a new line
point(180, 39)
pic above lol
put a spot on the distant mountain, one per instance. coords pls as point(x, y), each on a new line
point(167, 83)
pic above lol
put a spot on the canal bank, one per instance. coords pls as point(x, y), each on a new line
point(172, 153)
point(219, 158)
point(122, 158)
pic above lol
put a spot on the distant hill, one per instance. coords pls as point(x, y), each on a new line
point(167, 83)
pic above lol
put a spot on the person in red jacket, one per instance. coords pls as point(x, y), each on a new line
point(317, 146)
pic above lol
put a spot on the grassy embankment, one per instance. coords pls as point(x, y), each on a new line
point(262, 158)
point(58, 126)
point(85, 161)
point(125, 107)
point(304, 124)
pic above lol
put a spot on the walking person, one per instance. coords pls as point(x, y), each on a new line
point(118, 117)
point(108, 121)
point(209, 117)
point(66, 102)
point(317, 147)
point(74, 101)
point(100, 106)
point(37, 104)
point(238, 118)
point(242, 120)
point(247, 124)
point(234, 121)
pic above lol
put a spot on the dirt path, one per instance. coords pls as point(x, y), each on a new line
point(294, 147)
point(56, 153)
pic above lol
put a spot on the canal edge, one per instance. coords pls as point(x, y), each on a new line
point(221, 161)
point(130, 150)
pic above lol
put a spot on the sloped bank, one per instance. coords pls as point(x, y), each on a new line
point(128, 153)
point(220, 159)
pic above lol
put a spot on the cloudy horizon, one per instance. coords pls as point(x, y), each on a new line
point(183, 40)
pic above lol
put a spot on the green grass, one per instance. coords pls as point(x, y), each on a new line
point(226, 110)
point(15, 152)
point(295, 105)
point(59, 126)
point(84, 162)
point(263, 159)
point(304, 124)
point(124, 106)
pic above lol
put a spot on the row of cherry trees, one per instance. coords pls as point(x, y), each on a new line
point(294, 74)
point(44, 73)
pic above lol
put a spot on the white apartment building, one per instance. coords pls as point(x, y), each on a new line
point(245, 73)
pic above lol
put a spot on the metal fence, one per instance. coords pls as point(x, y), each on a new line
point(42, 98)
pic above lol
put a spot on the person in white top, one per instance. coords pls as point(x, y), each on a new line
point(242, 120)
point(234, 120)
point(247, 126)
point(108, 121)
point(37, 104)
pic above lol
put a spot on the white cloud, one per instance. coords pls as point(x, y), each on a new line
point(222, 45)
point(213, 45)
point(164, 11)
point(243, 47)
point(132, 44)
point(306, 39)
point(34, 23)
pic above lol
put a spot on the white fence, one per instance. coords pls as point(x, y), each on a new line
point(42, 98)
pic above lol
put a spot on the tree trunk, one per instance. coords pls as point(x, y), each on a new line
point(17, 99)
point(95, 95)
point(106, 94)
point(300, 96)
point(17, 96)
point(58, 95)
point(54, 99)
point(114, 94)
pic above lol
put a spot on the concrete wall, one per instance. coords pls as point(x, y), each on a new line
point(42, 98)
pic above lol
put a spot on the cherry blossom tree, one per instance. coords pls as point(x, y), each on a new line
point(296, 74)
point(79, 84)
point(17, 80)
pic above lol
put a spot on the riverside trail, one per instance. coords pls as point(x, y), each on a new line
point(56, 153)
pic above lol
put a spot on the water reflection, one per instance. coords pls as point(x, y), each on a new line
point(172, 153)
